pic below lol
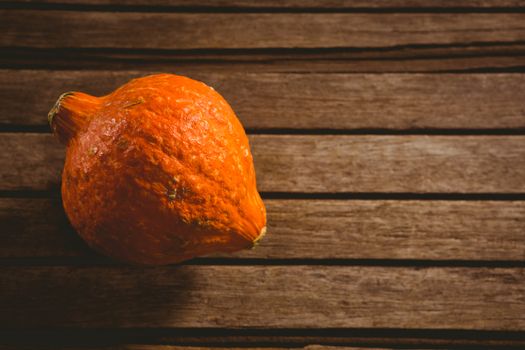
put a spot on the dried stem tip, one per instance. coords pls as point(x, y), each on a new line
point(71, 112)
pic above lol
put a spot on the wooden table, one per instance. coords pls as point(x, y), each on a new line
point(389, 142)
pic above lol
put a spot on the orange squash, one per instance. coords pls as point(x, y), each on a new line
point(157, 172)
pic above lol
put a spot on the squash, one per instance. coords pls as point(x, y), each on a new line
point(158, 171)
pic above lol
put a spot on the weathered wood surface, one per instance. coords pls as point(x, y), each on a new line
point(263, 297)
point(390, 164)
point(325, 163)
point(303, 101)
point(67, 29)
point(314, 229)
point(469, 58)
point(61, 45)
point(332, 4)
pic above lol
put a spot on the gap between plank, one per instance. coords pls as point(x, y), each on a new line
point(221, 337)
point(257, 51)
point(270, 9)
point(99, 260)
point(440, 132)
point(281, 59)
point(324, 195)
point(45, 129)
point(28, 50)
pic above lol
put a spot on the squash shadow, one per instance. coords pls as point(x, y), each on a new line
point(97, 297)
point(84, 289)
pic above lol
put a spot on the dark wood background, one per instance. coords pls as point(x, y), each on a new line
point(389, 142)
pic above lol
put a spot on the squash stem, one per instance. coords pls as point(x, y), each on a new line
point(71, 112)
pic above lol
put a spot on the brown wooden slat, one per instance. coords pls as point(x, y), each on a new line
point(303, 101)
point(40, 166)
point(390, 163)
point(325, 163)
point(314, 229)
point(263, 297)
point(299, 3)
point(48, 29)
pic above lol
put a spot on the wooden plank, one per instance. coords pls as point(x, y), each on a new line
point(445, 164)
point(263, 297)
point(303, 101)
point(314, 229)
point(41, 165)
point(325, 163)
point(86, 29)
point(333, 4)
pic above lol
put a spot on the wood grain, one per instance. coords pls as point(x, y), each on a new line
point(334, 4)
point(66, 29)
point(445, 164)
point(297, 81)
point(314, 229)
point(325, 163)
point(263, 297)
point(303, 101)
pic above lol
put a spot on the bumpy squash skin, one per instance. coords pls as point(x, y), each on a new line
point(158, 172)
